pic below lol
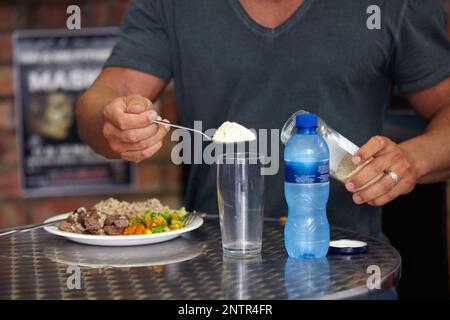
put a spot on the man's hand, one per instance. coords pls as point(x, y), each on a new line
point(129, 129)
point(387, 156)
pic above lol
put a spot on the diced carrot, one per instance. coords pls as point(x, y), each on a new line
point(140, 229)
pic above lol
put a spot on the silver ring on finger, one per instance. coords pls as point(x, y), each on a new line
point(393, 176)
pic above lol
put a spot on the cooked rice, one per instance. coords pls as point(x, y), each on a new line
point(133, 209)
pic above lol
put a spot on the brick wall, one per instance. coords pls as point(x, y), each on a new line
point(158, 177)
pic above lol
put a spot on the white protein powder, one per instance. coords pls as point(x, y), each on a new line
point(233, 132)
point(347, 168)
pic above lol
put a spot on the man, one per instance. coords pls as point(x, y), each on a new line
point(258, 61)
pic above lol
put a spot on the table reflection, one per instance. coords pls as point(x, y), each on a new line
point(306, 279)
point(238, 276)
point(159, 254)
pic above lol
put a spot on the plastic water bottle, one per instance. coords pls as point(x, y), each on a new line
point(306, 188)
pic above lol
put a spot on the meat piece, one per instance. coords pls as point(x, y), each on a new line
point(113, 230)
point(69, 226)
point(116, 220)
point(122, 222)
point(77, 216)
point(81, 217)
point(109, 221)
point(94, 222)
point(66, 226)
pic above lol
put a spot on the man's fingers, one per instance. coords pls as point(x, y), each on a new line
point(113, 111)
point(130, 130)
point(369, 172)
point(385, 198)
point(129, 136)
point(368, 185)
point(122, 147)
point(130, 112)
point(370, 149)
point(374, 191)
point(385, 190)
point(403, 187)
point(127, 121)
point(138, 156)
point(137, 104)
point(133, 135)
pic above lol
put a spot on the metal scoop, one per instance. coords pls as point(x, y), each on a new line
point(181, 127)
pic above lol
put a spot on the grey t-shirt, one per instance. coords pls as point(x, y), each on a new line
point(324, 59)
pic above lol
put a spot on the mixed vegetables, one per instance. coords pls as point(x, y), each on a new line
point(155, 222)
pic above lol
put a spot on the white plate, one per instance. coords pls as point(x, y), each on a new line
point(120, 241)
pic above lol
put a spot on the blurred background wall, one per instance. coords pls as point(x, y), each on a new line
point(158, 177)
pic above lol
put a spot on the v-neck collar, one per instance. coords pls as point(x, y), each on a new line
point(252, 24)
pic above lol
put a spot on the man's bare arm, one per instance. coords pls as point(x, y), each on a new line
point(430, 151)
point(112, 87)
point(423, 159)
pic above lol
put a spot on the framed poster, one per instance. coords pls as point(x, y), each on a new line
point(51, 69)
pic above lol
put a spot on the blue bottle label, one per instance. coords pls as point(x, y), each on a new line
point(307, 172)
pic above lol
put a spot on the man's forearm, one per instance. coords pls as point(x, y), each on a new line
point(90, 118)
point(429, 152)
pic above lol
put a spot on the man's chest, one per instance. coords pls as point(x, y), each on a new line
point(333, 46)
point(271, 13)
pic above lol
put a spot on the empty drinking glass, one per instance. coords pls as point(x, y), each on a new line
point(240, 193)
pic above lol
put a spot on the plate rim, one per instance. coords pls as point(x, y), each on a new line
point(53, 229)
